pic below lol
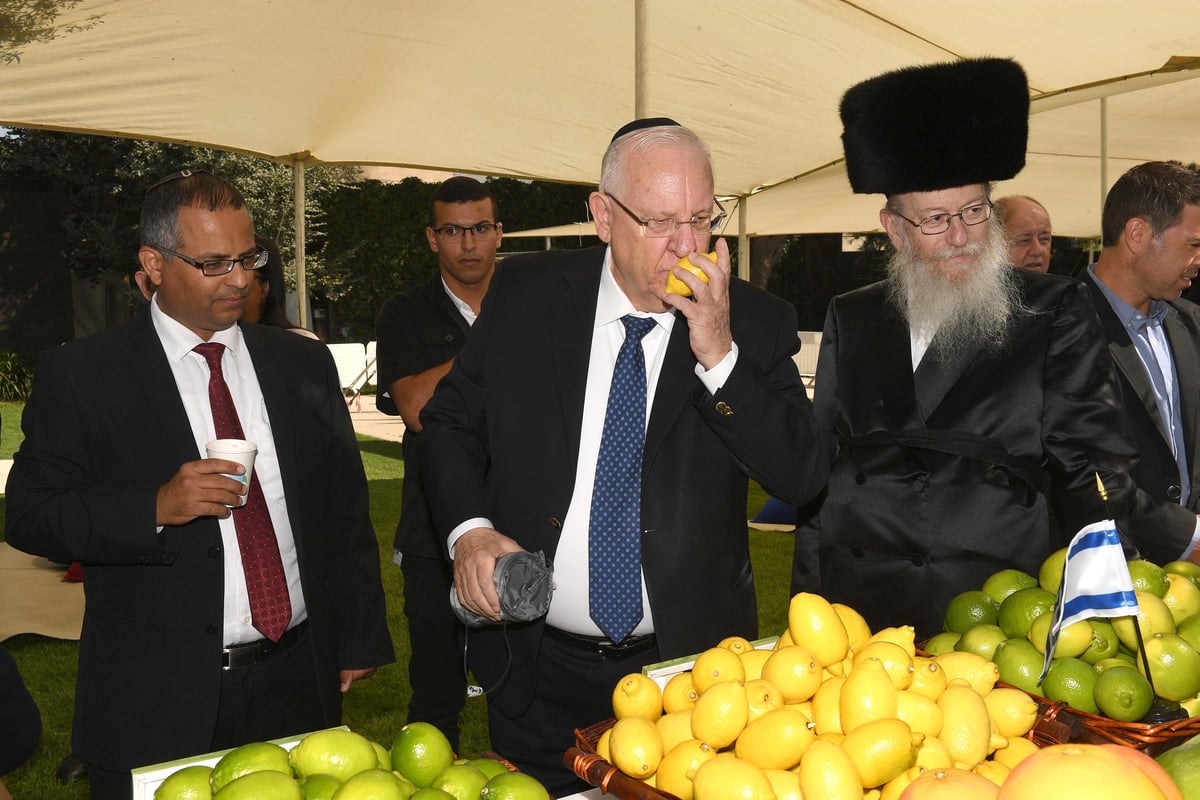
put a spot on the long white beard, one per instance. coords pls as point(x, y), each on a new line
point(968, 309)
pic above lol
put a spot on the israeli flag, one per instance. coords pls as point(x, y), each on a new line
point(1095, 582)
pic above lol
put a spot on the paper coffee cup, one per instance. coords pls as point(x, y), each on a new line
point(238, 450)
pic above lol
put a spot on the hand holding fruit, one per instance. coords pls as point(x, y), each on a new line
point(707, 311)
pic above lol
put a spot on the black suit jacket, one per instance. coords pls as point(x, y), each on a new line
point(1156, 471)
point(501, 438)
point(104, 428)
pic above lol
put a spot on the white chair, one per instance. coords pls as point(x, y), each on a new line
point(350, 358)
point(806, 359)
point(367, 375)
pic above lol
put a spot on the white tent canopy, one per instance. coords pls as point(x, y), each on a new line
point(535, 88)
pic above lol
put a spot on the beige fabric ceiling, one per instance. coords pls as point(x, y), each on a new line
point(534, 88)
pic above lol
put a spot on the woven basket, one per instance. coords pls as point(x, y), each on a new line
point(584, 762)
point(1096, 729)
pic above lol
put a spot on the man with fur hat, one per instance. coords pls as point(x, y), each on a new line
point(968, 406)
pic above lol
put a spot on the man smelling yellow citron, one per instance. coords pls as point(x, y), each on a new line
point(676, 286)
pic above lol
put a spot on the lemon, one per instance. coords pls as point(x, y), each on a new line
point(189, 783)
point(776, 740)
point(928, 678)
point(636, 747)
point(762, 696)
point(1104, 641)
point(1073, 640)
point(827, 773)
point(867, 694)
point(714, 665)
point(1174, 666)
point(943, 642)
point(895, 659)
point(1051, 572)
point(881, 749)
point(903, 635)
point(674, 728)
point(1121, 659)
point(795, 671)
point(637, 695)
point(680, 693)
point(894, 789)
point(857, 629)
point(785, 784)
point(730, 779)
point(1189, 631)
point(265, 783)
point(736, 644)
point(994, 771)
point(1003, 583)
point(253, 757)
point(969, 609)
point(1020, 664)
point(1182, 597)
point(676, 286)
point(1123, 694)
point(1013, 712)
point(826, 708)
point(982, 640)
point(678, 767)
point(1073, 682)
point(320, 787)
point(1016, 751)
point(1185, 568)
point(966, 725)
point(1021, 608)
point(920, 712)
point(1191, 706)
point(1153, 617)
point(784, 640)
point(602, 746)
point(721, 713)
point(420, 753)
point(1147, 577)
point(976, 670)
point(813, 623)
point(933, 754)
point(461, 781)
point(514, 786)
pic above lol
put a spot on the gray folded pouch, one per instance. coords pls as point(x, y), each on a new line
point(525, 583)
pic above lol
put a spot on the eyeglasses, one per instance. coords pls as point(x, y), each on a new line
point(662, 228)
point(221, 266)
point(480, 229)
point(940, 223)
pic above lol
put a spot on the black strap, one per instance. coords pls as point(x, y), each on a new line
point(957, 443)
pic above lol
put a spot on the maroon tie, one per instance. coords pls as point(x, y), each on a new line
point(270, 605)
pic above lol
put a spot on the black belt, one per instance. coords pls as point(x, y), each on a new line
point(629, 646)
point(241, 656)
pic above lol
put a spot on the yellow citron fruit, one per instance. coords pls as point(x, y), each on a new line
point(893, 789)
point(1073, 640)
point(976, 670)
point(1153, 617)
point(602, 746)
point(721, 713)
point(762, 696)
point(827, 773)
point(895, 659)
point(676, 286)
point(882, 749)
point(826, 708)
point(832, 736)
point(903, 635)
point(933, 754)
point(776, 740)
point(674, 728)
point(867, 694)
point(929, 679)
point(844, 666)
point(738, 644)
point(1182, 598)
point(679, 694)
point(795, 671)
point(1013, 712)
point(635, 746)
point(814, 624)
point(730, 779)
point(1016, 751)
point(752, 662)
point(966, 726)
point(784, 640)
point(994, 771)
point(785, 784)
point(921, 713)
point(678, 767)
point(857, 630)
point(714, 665)
point(637, 695)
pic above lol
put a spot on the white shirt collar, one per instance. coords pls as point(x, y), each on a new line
point(178, 340)
point(612, 304)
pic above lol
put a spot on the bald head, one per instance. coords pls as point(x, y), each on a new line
point(1027, 225)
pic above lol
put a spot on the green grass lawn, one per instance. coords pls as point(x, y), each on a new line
point(375, 707)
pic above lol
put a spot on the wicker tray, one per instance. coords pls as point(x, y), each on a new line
point(1097, 729)
point(583, 760)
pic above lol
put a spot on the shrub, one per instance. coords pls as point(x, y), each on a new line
point(16, 376)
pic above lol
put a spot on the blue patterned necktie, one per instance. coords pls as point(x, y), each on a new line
point(615, 530)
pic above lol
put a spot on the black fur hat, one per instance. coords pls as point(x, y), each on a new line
point(936, 127)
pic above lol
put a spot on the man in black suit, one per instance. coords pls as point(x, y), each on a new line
point(419, 334)
point(180, 652)
point(1151, 238)
point(513, 438)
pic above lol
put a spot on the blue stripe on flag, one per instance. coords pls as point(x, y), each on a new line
point(1096, 604)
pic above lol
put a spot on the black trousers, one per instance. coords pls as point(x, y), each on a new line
point(574, 690)
point(436, 672)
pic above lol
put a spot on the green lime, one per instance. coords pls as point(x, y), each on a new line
point(1050, 574)
point(1108, 663)
point(252, 757)
point(383, 757)
point(514, 786)
point(1104, 642)
point(374, 784)
point(260, 785)
point(488, 766)
point(1123, 694)
point(1073, 682)
point(969, 609)
point(1073, 640)
point(429, 793)
point(1021, 608)
point(462, 781)
point(1020, 664)
point(1148, 577)
point(319, 786)
point(1003, 583)
point(1174, 666)
point(942, 643)
point(1187, 568)
point(421, 752)
point(982, 640)
point(335, 752)
point(1182, 763)
point(189, 783)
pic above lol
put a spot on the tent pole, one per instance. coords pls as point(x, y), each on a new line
point(641, 69)
point(301, 283)
point(1103, 151)
point(743, 240)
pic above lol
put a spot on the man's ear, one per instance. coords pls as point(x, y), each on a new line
point(431, 237)
point(1137, 234)
point(602, 214)
point(891, 224)
point(152, 263)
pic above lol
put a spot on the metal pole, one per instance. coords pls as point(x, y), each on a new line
point(743, 240)
point(641, 66)
point(1103, 151)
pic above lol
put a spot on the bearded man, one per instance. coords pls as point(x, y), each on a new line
point(968, 407)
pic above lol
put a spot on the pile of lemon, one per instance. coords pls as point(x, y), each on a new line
point(1096, 666)
point(832, 711)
